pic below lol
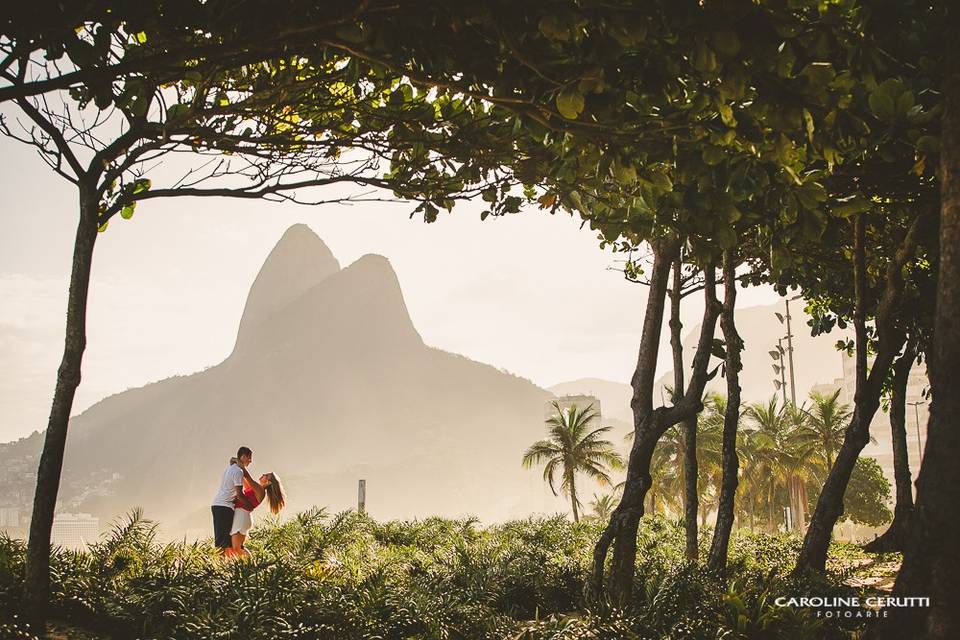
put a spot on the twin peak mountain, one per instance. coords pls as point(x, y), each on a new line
point(329, 382)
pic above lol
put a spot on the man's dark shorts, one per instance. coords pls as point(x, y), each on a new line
point(222, 523)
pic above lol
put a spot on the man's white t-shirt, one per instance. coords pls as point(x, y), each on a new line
point(232, 478)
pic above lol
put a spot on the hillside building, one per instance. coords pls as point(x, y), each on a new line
point(582, 401)
point(74, 530)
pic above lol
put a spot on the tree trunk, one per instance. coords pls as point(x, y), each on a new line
point(649, 426)
point(931, 562)
point(797, 502)
point(829, 508)
point(717, 560)
point(894, 537)
point(690, 467)
point(771, 507)
point(573, 497)
point(37, 578)
point(626, 516)
point(691, 502)
point(803, 504)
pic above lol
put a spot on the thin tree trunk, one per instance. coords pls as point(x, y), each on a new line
point(771, 507)
point(691, 499)
point(931, 561)
point(803, 505)
point(573, 497)
point(649, 426)
point(797, 506)
point(733, 346)
point(829, 509)
point(37, 578)
point(690, 467)
point(894, 537)
point(626, 516)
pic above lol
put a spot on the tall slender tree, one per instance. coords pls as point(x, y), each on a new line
point(895, 535)
point(733, 345)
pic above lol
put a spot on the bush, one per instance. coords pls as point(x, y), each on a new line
point(350, 577)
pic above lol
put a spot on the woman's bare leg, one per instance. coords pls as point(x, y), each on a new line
point(237, 550)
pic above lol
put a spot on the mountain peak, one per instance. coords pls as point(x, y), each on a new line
point(299, 261)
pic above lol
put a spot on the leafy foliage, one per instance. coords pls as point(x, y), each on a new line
point(348, 576)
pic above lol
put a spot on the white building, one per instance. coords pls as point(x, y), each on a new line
point(582, 401)
point(916, 419)
point(74, 530)
point(9, 517)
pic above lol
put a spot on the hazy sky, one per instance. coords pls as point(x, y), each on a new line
point(531, 293)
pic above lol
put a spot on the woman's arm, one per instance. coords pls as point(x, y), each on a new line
point(250, 483)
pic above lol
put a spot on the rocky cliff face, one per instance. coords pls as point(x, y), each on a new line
point(329, 382)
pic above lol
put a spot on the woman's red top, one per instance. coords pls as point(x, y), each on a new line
point(251, 498)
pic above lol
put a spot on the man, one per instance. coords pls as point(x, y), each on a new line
point(231, 487)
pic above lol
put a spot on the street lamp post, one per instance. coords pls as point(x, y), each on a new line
point(786, 319)
point(779, 369)
point(916, 414)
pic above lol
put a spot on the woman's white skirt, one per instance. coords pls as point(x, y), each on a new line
point(242, 522)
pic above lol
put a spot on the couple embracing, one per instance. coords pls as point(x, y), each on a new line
point(239, 494)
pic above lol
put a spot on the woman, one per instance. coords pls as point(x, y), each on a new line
point(253, 494)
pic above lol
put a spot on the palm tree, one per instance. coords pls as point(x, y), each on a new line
point(772, 465)
point(573, 448)
point(826, 422)
point(710, 451)
point(602, 506)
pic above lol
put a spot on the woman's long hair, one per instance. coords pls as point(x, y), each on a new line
point(275, 495)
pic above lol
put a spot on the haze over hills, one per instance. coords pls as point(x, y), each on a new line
point(816, 361)
point(329, 382)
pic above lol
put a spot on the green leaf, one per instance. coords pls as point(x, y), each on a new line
point(851, 205)
point(624, 174)
point(430, 212)
point(726, 237)
point(661, 181)
point(928, 145)
point(143, 184)
point(713, 155)
point(628, 36)
point(704, 58)
point(808, 122)
point(175, 111)
point(127, 212)
point(726, 115)
point(726, 43)
point(904, 103)
point(819, 74)
point(570, 103)
point(554, 28)
point(141, 37)
point(882, 106)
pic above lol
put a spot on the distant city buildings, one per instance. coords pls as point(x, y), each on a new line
point(9, 518)
point(75, 530)
point(582, 401)
point(917, 412)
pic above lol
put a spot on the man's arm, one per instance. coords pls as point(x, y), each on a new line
point(239, 500)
